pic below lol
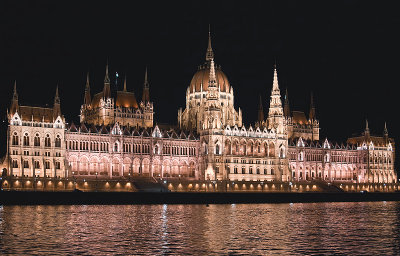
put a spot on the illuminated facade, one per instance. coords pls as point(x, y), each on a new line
point(117, 139)
point(113, 106)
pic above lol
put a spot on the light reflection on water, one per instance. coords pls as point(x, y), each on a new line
point(236, 229)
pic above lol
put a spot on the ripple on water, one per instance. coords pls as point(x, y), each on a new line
point(252, 229)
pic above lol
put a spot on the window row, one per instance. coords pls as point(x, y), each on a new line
point(36, 164)
point(36, 140)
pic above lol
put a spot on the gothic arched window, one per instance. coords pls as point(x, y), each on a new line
point(15, 139)
point(217, 149)
point(26, 139)
point(36, 141)
point(47, 141)
point(58, 142)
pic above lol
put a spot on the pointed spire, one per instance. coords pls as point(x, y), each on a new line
point(210, 53)
point(286, 107)
point(87, 82)
point(107, 78)
point(366, 132)
point(87, 99)
point(15, 94)
point(275, 85)
point(107, 89)
point(275, 113)
point(14, 103)
point(385, 131)
point(212, 79)
point(260, 111)
point(311, 116)
point(56, 106)
point(125, 83)
point(56, 97)
point(146, 89)
point(146, 82)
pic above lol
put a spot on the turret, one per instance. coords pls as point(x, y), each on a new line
point(146, 89)
point(275, 113)
point(56, 107)
point(312, 116)
point(366, 132)
point(107, 89)
point(209, 53)
point(260, 112)
point(125, 84)
point(14, 103)
point(385, 134)
point(286, 107)
point(87, 100)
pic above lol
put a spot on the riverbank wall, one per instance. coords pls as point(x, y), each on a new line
point(109, 198)
point(182, 185)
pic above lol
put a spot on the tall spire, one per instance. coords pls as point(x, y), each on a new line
point(311, 116)
point(56, 97)
point(385, 134)
point(275, 87)
point(107, 78)
point(146, 82)
point(107, 89)
point(146, 89)
point(260, 112)
point(14, 103)
point(366, 132)
point(385, 131)
point(87, 81)
point(275, 113)
point(15, 94)
point(87, 99)
point(125, 84)
point(212, 92)
point(56, 107)
point(286, 106)
point(210, 53)
point(212, 80)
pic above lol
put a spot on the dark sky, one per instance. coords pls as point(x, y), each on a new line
point(346, 52)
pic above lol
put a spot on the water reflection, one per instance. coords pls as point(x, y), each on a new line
point(236, 229)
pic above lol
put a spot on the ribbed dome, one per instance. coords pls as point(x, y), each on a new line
point(126, 100)
point(202, 76)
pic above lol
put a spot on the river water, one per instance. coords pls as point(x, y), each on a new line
point(246, 229)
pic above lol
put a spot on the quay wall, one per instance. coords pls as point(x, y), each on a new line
point(182, 185)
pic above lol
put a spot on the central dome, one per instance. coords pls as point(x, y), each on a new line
point(202, 76)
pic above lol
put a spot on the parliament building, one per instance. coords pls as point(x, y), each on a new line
point(117, 138)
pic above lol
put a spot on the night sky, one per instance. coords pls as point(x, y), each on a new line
point(346, 52)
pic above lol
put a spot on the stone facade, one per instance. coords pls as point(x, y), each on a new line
point(116, 139)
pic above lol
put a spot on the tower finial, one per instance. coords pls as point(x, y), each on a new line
point(286, 107)
point(87, 98)
point(366, 132)
point(275, 85)
point(146, 88)
point(87, 81)
point(56, 97)
point(125, 84)
point(385, 131)
point(312, 108)
point(210, 53)
point(212, 80)
point(107, 78)
point(260, 112)
point(15, 94)
point(146, 82)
